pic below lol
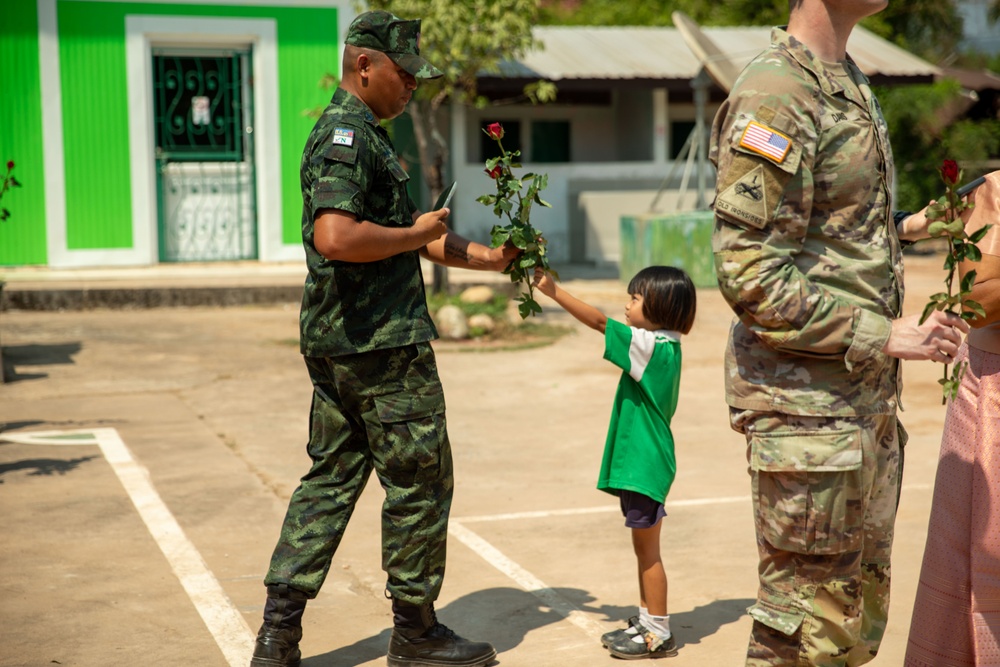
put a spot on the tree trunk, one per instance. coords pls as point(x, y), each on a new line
point(433, 152)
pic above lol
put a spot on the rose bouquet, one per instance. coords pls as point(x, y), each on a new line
point(511, 203)
point(947, 222)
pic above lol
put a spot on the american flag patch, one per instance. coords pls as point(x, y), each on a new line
point(765, 141)
point(343, 136)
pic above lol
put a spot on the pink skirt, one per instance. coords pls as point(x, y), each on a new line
point(956, 616)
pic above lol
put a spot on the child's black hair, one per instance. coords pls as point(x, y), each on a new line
point(668, 295)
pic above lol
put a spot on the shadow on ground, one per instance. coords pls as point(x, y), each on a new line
point(35, 355)
point(43, 467)
point(504, 616)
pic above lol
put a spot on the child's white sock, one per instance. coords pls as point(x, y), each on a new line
point(658, 625)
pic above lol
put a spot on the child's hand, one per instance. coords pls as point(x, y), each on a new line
point(544, 282)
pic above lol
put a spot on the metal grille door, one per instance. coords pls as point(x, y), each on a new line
point(204, 155)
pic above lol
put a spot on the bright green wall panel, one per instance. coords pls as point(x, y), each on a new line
point(95, 125)
point(302, 62)
point(22, 236)
point(95, 107)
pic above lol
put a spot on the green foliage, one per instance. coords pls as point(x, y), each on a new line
point(657, 12)
point(464, 38)
point(929, 28)
point(922, 137)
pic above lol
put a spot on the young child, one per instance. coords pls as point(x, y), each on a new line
point(638, 464)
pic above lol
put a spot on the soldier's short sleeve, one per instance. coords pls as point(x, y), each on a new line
point(760, 151)
point(344, 171)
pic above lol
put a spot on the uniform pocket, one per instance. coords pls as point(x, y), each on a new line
point(408, 405)
point(808, 490)
point(414, 435)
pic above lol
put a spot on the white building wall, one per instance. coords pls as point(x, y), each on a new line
point(588, 196)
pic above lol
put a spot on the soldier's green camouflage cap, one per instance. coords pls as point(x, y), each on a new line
point(395, 37)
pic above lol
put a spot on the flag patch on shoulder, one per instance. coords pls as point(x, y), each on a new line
point(767, 142)
point(343, 136)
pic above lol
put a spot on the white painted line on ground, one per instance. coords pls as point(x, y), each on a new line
point(576, 511)
point(525, 579)
point(543, 514)
point(224, 621)
point(539, 588)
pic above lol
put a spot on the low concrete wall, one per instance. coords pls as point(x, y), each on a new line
point(683, 240)
point(599, 212)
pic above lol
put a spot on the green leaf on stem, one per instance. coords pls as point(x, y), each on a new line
point(968, 282)
point(928, 309)
point(973, 309)
point(498, 236)
point(978, 235)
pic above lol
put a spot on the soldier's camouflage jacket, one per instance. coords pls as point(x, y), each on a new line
point(806, 251)
point(349, 163)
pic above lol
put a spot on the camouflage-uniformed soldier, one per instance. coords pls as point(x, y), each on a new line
point(808, 255)
point(365, 334)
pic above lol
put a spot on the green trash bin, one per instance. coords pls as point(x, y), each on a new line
point(683, 240)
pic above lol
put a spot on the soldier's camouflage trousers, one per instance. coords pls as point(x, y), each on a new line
point(825, 491)
point(383, 410)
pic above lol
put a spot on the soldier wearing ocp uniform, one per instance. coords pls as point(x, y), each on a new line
point(808, 256)
point(365, 330)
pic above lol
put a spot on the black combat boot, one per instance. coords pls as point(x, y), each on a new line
point(418, 640)
point(278, 639)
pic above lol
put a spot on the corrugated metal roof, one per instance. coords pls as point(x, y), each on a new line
point(572, 52)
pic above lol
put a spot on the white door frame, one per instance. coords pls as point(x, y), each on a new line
point(142, 33)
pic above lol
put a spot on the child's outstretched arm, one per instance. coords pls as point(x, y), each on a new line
point(584, 312)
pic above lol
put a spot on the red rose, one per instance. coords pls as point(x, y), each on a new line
point(495, 130)
point(494, 173)
point(10, 165)
point(949, 172)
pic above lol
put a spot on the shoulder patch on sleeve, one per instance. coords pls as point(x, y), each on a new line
point(343, 144)
point(343, 136)
point(747, 198)
point(763, 140)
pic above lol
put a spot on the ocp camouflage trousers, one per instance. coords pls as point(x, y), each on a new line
point(381, 410)
point(825, 491)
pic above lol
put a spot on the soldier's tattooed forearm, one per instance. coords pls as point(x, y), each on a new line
point(456, 251)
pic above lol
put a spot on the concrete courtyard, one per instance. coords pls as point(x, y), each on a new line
point(137, 528)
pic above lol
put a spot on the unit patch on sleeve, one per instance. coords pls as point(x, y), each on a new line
point(767, 142)
point(746, 199)
point(343, 136)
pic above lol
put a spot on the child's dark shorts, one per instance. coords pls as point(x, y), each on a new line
point(640, 511)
